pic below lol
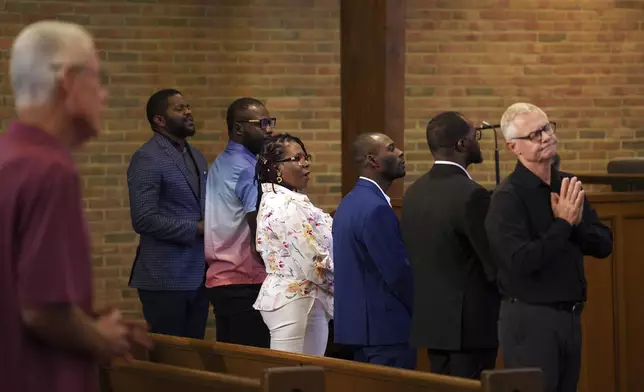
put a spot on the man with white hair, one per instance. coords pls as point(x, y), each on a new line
point(540, 226)
point(50, 337)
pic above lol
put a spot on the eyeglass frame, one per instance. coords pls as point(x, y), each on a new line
point(272, 122)
point(300, 159)
point(478, 135)
point(532, 135)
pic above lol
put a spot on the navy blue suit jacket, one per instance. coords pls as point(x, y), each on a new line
point(166, 210)
point(373, 281)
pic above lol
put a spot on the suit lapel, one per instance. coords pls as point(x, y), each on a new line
point(177, 158)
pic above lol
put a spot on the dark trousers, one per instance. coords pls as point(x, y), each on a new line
point(176, 313)
point(236, 320)
point(543, 337)
point(334, 350)
point(467, 364)
point(397, 355)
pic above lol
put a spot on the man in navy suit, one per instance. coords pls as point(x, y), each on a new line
point(167, 186)
point(373, 281)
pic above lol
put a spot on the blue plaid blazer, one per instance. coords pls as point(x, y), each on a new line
point(166, 211)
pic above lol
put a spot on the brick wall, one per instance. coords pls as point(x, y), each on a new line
point(582, 63)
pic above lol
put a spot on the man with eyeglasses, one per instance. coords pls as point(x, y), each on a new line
point(540, 227)
point(456, 300)
point(235, 269)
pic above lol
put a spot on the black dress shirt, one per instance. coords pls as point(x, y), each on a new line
point(540, 257)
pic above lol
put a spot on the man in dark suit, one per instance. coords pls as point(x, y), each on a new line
point(373, 282)
point(456, 302)
point(167, 186)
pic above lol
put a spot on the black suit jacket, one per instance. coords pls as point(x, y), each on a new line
point(456, 300)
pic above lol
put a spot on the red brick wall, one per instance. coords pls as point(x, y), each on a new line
point(583, 65)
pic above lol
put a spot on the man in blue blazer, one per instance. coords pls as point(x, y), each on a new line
point(373, 281)
point(167, 185)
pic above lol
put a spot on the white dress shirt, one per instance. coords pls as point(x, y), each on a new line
point(383, 192)
point(453, 164)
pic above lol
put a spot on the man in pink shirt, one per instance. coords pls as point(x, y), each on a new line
point(235, 269)
point(50, 338)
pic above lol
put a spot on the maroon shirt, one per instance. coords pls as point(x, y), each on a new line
point(44, 259)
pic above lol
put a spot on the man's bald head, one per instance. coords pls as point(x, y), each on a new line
point(377, 156)
point(368, 143)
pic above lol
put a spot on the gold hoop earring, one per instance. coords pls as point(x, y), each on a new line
point(279, 177)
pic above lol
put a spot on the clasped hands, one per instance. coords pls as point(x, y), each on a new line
point(120, 335)
point(569, 203)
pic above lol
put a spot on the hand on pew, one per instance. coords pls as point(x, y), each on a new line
point(138, 334)
point(120, 335)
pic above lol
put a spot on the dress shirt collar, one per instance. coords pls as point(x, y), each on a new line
point(525, 177)
point(453, 164)
point(236, 147)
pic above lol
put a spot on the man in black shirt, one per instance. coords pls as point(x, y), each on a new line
point(540, 226)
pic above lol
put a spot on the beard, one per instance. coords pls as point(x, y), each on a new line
point(180, 128)
point(475, 157)
point(393, 168)
point(253, 143)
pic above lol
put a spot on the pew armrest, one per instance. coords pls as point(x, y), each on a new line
point(296, 378)
point(513, 380)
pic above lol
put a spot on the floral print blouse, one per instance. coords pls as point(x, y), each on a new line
point(294, 240)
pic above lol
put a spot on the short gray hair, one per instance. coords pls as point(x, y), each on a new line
point(511, 113)
point(36, 52)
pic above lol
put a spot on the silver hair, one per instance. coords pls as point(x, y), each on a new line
point(37, 54)
point(511, 113)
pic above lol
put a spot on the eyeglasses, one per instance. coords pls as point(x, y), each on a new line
point(536, 136)
point(263, 123)
point(300, 159)
point(478, 134)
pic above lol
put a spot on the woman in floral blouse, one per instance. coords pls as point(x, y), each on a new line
point(294, 240)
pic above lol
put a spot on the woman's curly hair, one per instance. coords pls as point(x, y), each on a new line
point(272, 152)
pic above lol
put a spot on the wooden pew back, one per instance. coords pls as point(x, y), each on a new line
point(340, 375)
point(142, 376)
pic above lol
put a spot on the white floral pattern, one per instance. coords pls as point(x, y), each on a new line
point(294, 240)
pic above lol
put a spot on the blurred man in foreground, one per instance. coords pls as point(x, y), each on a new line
point(50, 337)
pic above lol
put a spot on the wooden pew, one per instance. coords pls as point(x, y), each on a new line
point(142, 376)
point(340, 375)
point(618, 182)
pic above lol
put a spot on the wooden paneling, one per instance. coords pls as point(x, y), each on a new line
point(372, 46)
point(598, 371)
point(614, 322)
point(629, 303)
